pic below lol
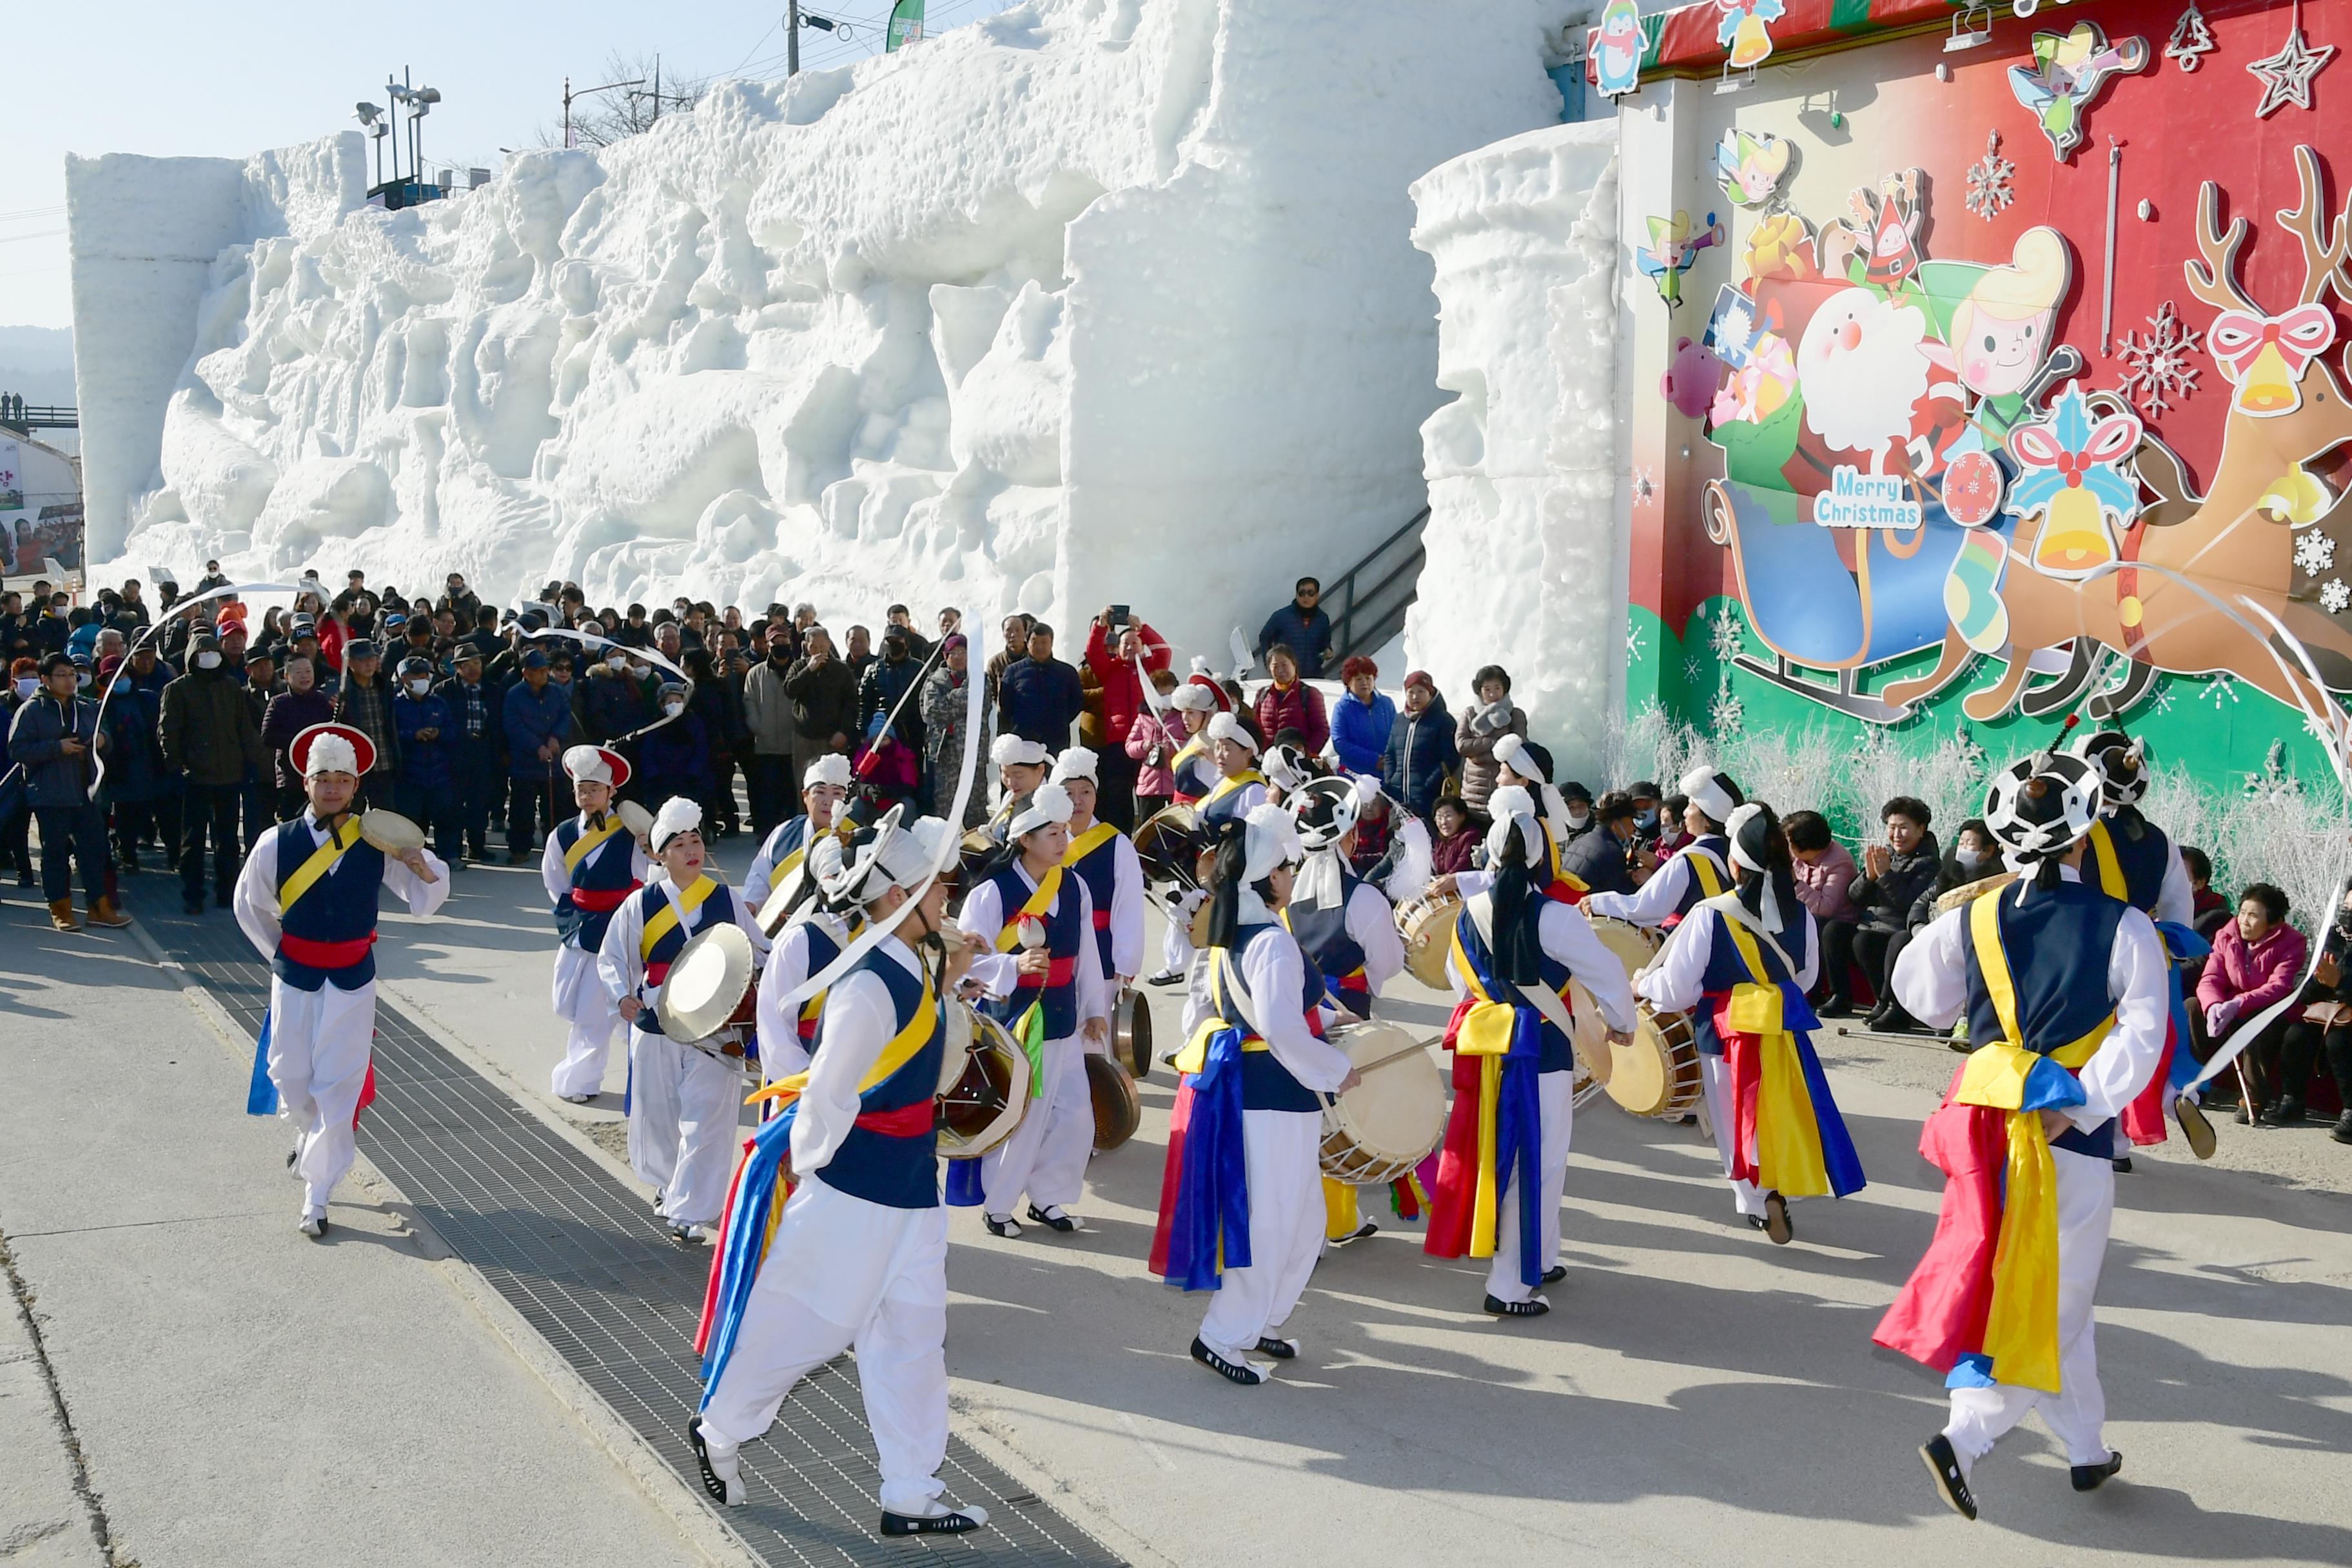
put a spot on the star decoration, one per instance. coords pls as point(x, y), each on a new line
point(2286, 75)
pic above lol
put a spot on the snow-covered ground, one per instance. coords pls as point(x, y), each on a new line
point(1094, 300)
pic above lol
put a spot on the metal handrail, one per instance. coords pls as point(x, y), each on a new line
point(1364, 622)
point(27, 418)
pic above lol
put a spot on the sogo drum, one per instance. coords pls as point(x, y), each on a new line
point(1387, 1124)
point(1426, 923)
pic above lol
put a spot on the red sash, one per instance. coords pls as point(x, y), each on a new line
point(325, 955)
point(603, 900)
point(1058, 972)
point(907, 1121)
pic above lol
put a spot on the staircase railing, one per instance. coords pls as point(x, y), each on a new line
point(1367, 602)
point(24, 418)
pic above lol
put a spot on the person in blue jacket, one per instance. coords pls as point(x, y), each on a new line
point(1362, 718)
point(425, 787)
point(538, 726)
point(1421, 751)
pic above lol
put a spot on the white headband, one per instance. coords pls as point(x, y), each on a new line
point(1225, 727)
point(901, 855)
point(1008, 750)
point(1511, 752)
point(1768, 908)
point(831, 768)
point(1077, 763)
point(1270, 839)
point(677, 816)
point(1705, 789)
point(1049, 804)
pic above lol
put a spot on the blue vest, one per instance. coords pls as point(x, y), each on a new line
point(719, 908)
point(1099, 872)
point(1266, 1084)
point(1064, 937)
point(2143, 860)
point(2057, 945)
point(339, 907)
point(787, 837)
point(1217, 813)
point(897, 1172)
point(1323, 937)
point(1556, 1052)
point(1725, 968)
point(1693, 892)
point(608, 868)
point(1195, 775)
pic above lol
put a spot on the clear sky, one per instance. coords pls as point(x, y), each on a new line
point(233, 76)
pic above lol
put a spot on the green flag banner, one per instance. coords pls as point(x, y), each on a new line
point(906, 25)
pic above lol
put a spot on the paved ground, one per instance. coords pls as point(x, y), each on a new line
point(1697, 1394)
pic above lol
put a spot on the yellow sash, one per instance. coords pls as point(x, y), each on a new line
point(1087, 843)
point(321, 861)
point(591, 839)
point(1039, 902)
point(2111, 868)
point(1224, 787)
point(900, 1050)
point(667, 917)
point(1701, 866)
point(1198, 746)
point(1195, 1053)
point(1787, 1133)
point(1484, 1033)
point(2021, 1329)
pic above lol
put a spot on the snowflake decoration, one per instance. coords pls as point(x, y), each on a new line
point(1632, 642)
point(2158, 374)
point(1989, 176)
point(2161, 702)
point(1645, 488)
point(2315, 552)
point(1726, 714)
point(1693, 667)
point(2335, 596)
point(1724, 637)
point(2223, 692)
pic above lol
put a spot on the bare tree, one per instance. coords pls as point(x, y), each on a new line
point(601, 119)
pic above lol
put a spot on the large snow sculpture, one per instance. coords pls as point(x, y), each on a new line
point(1524, 564)
point(1089, 302)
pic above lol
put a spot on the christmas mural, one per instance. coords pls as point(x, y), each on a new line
point(2013, 384)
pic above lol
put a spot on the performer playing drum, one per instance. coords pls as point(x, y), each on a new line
point(859, 1258)
point(823, 786)
point(1347, 929)
point(1196, 703)
point(683, 1094)
point(1103, 858)
point(1255, 1073)
point(1741, 964)
point(1696, 871)
point(2064, 990)
point(307, 901)
point(592, 863)
point(1505, 1158)
point(815, 930)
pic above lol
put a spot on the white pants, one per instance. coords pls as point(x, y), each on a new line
point(1285, 1231)
point(683, 1107)
point(318, 1045)
point(2077, 1412)
point(1557, 1093)
point(844, 1273)
point(581, 1000)
point(1046, 1155)
point(1176, 941)
point(1714, 1080)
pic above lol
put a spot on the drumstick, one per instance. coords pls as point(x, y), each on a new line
point(1413, 1050)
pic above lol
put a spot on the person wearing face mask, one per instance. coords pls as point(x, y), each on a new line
point(210, 740)
point(1823, 871)
point(675, 758)
point(16, 818)
point(54, 738)
point(612, 703)
point(424, 789)
point(1698, 869)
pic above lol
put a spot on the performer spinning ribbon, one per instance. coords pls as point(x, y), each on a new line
point(683, 1094)
point(1505, 1155)
point(306, 900)
point(1238, 1204)
point(858, 1259)
point(590, 865)
point(1741, 964)
point(1052, 996)
point(2063, 989)
point(823, 788)
point(1697, 870)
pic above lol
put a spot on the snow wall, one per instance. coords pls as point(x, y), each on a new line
point(1095, 299)
point(1526, 560)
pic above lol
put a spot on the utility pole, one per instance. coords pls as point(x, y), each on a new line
point(657, 88)
point(792, 38)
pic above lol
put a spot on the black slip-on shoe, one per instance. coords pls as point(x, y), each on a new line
point(1533, 1306)
point(2194, 1126)
point(1280, 1350)
point(1776, 1223)
point(1555, 1274)
point(1242, 1372)
point(2091, 1478)
point(1053, 1219)
point(723, 1480)
point(1944, 1466)
point(1007, 1228)
point(1361, 1231)
point(955, 1521)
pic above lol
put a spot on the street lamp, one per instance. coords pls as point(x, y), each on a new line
point(372, 119)
point(420, 104)
point(569, 95)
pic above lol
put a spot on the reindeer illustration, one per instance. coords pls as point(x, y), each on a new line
point(2288, 410)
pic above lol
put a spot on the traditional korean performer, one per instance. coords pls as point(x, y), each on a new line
point(592, 863)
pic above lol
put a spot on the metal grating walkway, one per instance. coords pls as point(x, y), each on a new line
point(584, 1262)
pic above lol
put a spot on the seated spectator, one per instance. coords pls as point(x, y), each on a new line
point(1674, 826)
point(1894, 874)
point(2323, 1021)
point(1648, 819)
point(1598, 857)
point(1825, 875)
point(1301, 625)
point(2257, 960)
point(2211, 908)
point(1492, 717)
point(1290, 703)
point(1454, 836)
point(1362, 718)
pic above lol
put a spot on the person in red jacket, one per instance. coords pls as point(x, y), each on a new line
point(1290, 703)
point(1112, 658)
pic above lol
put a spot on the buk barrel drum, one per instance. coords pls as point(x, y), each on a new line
point(1387, 1124)
point(1110, 1089)
point(391, 832)
point(1168, 843)
point(709, 985)
point(1426, 923)
point(1657, 1073)
point(1131, 1033)
point(635, 817)
point(1634, 947)
point(1969, 892)
point(984, 1085)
